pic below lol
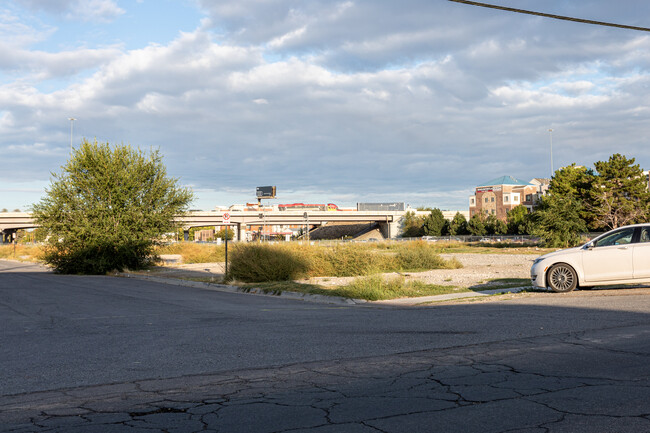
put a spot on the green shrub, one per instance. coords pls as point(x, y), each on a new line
point(344, 261)
point(259, 263)
point(418, 256)
point(99, 257)
point(375, 288)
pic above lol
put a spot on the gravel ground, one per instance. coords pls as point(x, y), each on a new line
point(477, 270)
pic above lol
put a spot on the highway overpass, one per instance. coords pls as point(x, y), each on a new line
point(389, 221)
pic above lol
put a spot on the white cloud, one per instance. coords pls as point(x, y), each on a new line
point(86, 10)
point(347, 101)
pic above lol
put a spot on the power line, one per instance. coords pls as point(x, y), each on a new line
point(557, 17)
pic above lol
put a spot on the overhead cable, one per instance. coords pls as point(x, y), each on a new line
point(557, 17)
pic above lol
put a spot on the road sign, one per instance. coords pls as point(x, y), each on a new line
point(226, 218)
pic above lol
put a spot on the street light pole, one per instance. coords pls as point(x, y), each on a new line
point(71, 119)
point(550, 133)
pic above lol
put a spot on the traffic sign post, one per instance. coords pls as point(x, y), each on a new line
point(226, 221)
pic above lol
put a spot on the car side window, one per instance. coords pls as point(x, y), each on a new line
point(645, 234)
point(620, 237)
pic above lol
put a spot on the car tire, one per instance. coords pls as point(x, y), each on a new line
point(562, 278)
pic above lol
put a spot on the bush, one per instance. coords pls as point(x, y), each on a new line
point(99, 257)
point(343, 261)
point(107, 208)
point(258, 263)
point(418, 256)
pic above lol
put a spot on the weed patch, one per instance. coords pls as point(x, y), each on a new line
point(260, 262)
point(195, 253)
point(255, 263)
point(370, 288)
point(31, 253)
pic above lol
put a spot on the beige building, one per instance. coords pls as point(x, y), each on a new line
point(499, 196)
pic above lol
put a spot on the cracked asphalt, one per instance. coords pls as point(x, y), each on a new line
point(98, 354)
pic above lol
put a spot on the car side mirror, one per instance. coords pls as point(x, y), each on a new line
point(589, 246)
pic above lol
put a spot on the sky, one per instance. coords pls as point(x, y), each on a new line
point(416, 101)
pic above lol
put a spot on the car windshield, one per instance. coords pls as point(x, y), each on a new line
point(619, 237)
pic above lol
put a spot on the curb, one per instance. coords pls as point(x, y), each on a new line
point(449, 297)
point(322, 299)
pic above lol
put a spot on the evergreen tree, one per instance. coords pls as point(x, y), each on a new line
point(434, 223)
point(458, 225)
point(107, 208)
point(557, 221)
point(476, 224)
point(576, 182)
point(494, 226)
point(517, 221)
point(572, 181)
point(619, 195)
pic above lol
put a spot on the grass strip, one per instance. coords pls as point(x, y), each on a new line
point(371, 288)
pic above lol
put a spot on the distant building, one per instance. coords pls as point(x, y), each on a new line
point(381, 207)
point(499, 196)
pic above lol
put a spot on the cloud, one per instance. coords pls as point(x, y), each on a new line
point(15, 32)
point(352, 100)
point(43, 65)
point(85, 10)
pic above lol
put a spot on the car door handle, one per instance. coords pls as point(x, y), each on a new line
point(622, 248)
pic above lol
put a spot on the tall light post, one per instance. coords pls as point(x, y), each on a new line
point(550, 134)
point(71, 119)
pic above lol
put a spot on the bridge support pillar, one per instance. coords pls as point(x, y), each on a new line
point(384, 228)
point(241, 232)
point(390, 230)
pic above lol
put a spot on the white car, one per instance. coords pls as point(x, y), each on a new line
point(620, 256)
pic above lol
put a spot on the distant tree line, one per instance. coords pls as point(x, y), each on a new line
point(579, 199)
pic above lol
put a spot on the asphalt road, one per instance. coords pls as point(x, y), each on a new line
point(82, 353)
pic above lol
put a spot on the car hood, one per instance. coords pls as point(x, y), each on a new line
point(568, 251)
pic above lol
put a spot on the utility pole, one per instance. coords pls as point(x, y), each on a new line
point(550, 133)
point(71, 119)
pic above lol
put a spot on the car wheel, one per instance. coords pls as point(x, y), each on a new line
point(562, 278)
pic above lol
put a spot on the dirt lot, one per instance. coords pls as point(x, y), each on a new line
point(477, 270)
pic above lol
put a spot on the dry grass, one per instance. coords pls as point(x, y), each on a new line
point(263, 262)
point(28, 253)
point(195, 253)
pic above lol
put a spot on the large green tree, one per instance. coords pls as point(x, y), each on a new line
point(458, 225)
point(434, 223)
point(412, 225)
point(476, 224)
point(495, 226)
point(576, 182)
point(557, 221)
point(573, 181)
point(620, 193)
point(107, 208)
point(518, 221)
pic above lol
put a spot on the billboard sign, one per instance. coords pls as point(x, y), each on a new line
point(265, 192)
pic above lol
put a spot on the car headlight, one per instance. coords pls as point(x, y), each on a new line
point(537, 260)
